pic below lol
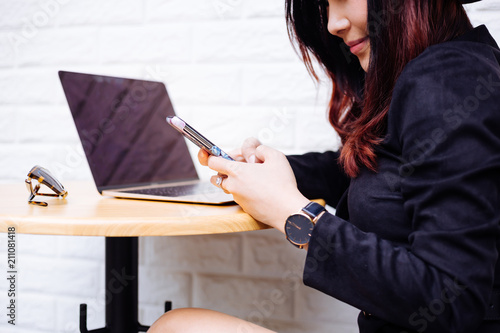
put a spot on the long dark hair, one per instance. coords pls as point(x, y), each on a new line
point(399, 30)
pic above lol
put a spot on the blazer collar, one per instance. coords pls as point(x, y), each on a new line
point(480, 34)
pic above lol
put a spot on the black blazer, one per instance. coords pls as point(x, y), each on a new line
point(415, 245)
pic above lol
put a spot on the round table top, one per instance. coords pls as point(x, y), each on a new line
point(84, 212)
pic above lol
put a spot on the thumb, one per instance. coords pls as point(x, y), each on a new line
point(264, 153)
point(248, 150)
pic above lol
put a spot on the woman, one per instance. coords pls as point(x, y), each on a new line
point(416, 185)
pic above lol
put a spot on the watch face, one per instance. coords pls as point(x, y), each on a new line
point(298, 229)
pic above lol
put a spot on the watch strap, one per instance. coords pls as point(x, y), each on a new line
point(313, 210)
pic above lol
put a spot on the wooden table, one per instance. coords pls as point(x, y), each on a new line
point(84, 212)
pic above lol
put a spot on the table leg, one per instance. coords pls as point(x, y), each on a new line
point(121, 288)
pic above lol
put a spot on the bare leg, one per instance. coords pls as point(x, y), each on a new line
point(194, 320)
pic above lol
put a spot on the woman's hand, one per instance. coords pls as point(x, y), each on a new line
point(266, 190)
point(246, 153)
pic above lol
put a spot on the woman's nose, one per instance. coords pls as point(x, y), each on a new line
point(337, 25)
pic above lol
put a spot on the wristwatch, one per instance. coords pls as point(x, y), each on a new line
point(298, 227)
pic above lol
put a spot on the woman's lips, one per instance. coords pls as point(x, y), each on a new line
point(357, 45)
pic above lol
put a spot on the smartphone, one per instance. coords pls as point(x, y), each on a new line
point(195, 137)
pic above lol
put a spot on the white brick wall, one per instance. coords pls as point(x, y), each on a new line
point(221, 59)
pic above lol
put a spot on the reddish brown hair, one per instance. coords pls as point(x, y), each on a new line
point(399, 30)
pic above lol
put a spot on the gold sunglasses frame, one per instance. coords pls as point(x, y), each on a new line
point(34, 191)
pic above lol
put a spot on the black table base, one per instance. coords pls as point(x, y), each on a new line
point(122, 302)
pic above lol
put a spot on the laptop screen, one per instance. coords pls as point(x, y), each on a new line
point(122, 127)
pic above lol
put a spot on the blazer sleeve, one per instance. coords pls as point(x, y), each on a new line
point(319, 176)
point(442, 281)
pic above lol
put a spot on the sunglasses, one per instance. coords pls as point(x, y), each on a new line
point(43, 176)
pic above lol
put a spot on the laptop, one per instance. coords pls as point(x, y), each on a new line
point(131, 150)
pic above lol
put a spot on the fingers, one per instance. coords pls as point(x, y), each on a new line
point(226, 167)
point(222, 165)
point(248, 150)
point(203, 157)
point(219, 181)
point(236, 155)
point(244, 154)
point(264, 153)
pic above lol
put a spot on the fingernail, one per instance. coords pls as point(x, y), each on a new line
point(251, 159)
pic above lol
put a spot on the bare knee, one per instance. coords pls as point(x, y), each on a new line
point(172, 321)
point(195, 320)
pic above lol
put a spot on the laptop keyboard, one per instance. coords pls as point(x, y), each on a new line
point(179, 190)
